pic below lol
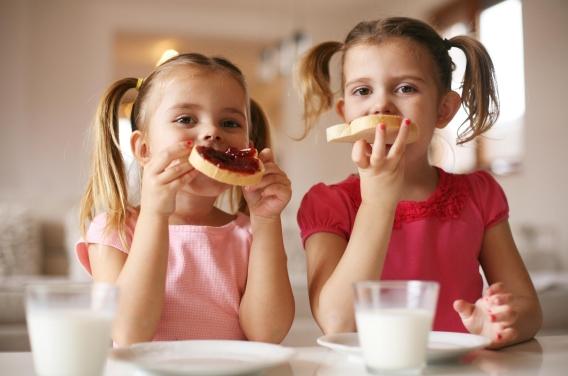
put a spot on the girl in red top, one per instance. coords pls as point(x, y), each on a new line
point(402, 218)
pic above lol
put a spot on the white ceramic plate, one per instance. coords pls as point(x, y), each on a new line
point(442, 346)
point(202, 357)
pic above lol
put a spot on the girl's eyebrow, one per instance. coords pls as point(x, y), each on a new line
point(234, 111)
point(402, 77)
point(359, 80)
point(184, 106)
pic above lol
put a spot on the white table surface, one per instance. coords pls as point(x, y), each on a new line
point(546, 355)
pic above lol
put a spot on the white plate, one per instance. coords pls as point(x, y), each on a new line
point(203, 357)
point(441, 345)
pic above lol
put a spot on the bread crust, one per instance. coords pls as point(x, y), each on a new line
point(221, 174)
point(364, 128)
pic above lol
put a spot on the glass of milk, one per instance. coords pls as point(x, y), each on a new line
point(394, 319)
point(69, 325)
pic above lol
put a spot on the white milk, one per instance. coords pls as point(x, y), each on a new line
point(394, 339)
point(69, 341)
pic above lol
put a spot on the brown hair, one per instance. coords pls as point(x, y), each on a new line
point(479, 88)
point(107, 189)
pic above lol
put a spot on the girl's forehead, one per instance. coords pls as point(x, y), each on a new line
point(395, 54)
point(185, 80)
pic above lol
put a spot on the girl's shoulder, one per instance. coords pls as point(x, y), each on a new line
point(485, 192)
point(325, 194)
point(330, 208)
point(480, 183)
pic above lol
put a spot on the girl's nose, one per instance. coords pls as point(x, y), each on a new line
point(382, 106)
point(210, 133)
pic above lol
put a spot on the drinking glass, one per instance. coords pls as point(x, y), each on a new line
point(394, 319)
point(69, 325)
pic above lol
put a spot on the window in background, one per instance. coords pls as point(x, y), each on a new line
point(501, 31)
point(498, 25)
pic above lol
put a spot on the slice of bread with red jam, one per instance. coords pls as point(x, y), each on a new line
point(232, 166)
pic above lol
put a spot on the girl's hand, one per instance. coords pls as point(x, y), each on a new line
point(164, 174)
point(493, 316)
point(381, 169)
point(269, 197)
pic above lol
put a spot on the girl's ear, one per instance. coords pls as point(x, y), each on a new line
point(340, 108)
point(449, 105)
point(140, 148)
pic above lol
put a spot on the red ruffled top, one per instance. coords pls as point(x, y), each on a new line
point(436, 239)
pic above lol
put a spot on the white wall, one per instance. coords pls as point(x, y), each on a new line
point(56, 62)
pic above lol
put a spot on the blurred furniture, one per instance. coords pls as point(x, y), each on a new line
point(21, 263)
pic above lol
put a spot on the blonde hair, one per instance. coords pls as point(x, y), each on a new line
point(107, 188)
point(479, 88)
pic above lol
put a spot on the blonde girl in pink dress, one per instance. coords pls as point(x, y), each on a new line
point(185, 268)
point(400, 217)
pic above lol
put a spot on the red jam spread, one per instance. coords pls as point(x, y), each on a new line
point(242, 161)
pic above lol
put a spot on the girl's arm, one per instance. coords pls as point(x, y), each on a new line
point(333, 264)
point(141, 276)
point(510, 311)
point(267, 306)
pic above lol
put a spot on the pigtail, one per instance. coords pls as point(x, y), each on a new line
point(479, 88)
point(107, 185)
point(314, 82)
point(259, 133)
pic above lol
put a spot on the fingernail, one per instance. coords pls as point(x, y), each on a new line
point(406, 121)
point(383, 126)
point(189, 143)
point(499, 337)
point(493, 318)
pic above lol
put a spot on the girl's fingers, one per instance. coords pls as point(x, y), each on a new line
point(378, 149)
point(272, 168)
point(163, 159)
point(496, 288)
point(505, 335)
point(276, 190)
point(500, 299)
point(269, 179)
point(397, 149)
point(504, 315)
point(266, 155)
point(360, 153)
point(174, 172)
point(463, 308)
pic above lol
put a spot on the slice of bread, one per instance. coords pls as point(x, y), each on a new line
point(219, 170)
point(364, 128)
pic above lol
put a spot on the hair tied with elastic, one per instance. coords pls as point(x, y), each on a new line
point(447, 44)
point(139, 83)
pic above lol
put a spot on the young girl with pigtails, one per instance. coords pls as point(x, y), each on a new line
point(185, 268)
point(402, 218)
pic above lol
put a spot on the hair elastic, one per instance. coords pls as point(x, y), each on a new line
point(139, 83)
point(447, 43)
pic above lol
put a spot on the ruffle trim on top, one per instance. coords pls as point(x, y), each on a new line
point(446, 202)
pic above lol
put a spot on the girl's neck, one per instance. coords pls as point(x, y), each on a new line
point(420, 181)
point(200, 211)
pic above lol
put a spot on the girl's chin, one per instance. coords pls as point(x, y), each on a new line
point(205, 186)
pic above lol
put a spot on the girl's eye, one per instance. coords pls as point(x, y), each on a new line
point(230, 124)
point(406, 89)
point(362, 91)
point(186, 120)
